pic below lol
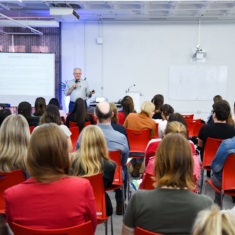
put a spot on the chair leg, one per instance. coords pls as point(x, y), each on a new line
point(123, 200)
point(106, 227)
point(201, 181)
point(111, 220)
point(221, 199)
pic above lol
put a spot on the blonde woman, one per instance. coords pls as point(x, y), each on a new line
point(214, 222)
point(171, 207)
point(50, 199)
point(92, 158)
point(14, 140)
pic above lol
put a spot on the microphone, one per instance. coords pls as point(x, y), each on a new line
point(76, 81)
point(130, 87)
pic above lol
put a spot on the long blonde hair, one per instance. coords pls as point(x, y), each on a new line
point(214, 222)
point(89, 158)
point(14, 140)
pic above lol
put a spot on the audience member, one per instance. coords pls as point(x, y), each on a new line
point(166, 111)
point(50, 199)
point(140, 121)
point(79, 115)
point(174, 127)
point(214, 222)
point(172, 207)
point(40, 106)
point(55, 102)
point(115, 141)
point(127, 104)
point(92, 158)
point(14, 140)
point(158, 101)
point(114, 121)
point(217, 165)
point(52, 114)
point(210, 119)
point(153, 143)
point(25, 109)
point(219, 129)
point(3, 114)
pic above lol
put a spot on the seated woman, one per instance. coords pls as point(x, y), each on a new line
point(55, 102)
point(171, 207)
point(79, 115)
point(175, 127)
point(114, 121)
point(214, 222)
point(40, 106)
point(50, 199)
point(52, 114)
point(14, 141)
point(158, 101)
point(127, 104)
point(153, 144)
point(166, 111)
point(92, 158)
point(25, 109)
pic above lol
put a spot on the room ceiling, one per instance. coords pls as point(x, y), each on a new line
point(36, 13)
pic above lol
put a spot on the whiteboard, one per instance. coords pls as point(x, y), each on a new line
point(197, 82)
point(26, 76)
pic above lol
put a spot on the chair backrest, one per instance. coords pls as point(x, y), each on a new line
point(85, 228)
point(188, 116)
point(140, 231)
point(97, 184)
point(7, 180)
point(191, 125)
point(197, 128)
point(210, 150)
point(72, 124)
point(74, 136)
point(228, 174)
point(138, 139)
point(87, 123)
point(148, 181)
point(156, 135)
point(31, 128)
point(116, 157)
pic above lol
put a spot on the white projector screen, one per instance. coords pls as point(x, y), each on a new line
point(26, 76)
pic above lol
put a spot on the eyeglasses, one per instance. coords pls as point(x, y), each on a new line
point(77, 73)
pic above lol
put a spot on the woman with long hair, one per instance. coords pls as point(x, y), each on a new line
point(158, 101)
point(14, 140)
point(92, 158)
point(127, 104)
point(171, 207)
point(51, 199)
point(79, 115)
point(52, 115)
point(40, 106)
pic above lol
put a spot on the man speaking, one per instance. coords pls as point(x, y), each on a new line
point(77, 88)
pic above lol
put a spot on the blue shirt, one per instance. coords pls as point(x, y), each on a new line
point(226, 147)
point(82, 90)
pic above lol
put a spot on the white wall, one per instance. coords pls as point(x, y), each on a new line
point(141, 52)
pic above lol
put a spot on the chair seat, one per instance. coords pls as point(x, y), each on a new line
point(218, 190)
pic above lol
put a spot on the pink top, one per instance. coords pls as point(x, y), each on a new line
point(60, 204)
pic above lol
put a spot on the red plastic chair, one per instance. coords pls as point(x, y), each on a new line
point(191, 126)
point(87, 123)
point(9, 179)
point(97, 184)
point(228, 179)
point(138, 140)
point(140, 231)
point(148, 182)
point(156, 136)
point(210, 150)
point(72, 124)
point(197, 128)
point(188, 116)
point(74, 136)
point(117, 179)
point(31, 128)
point(85, 228)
